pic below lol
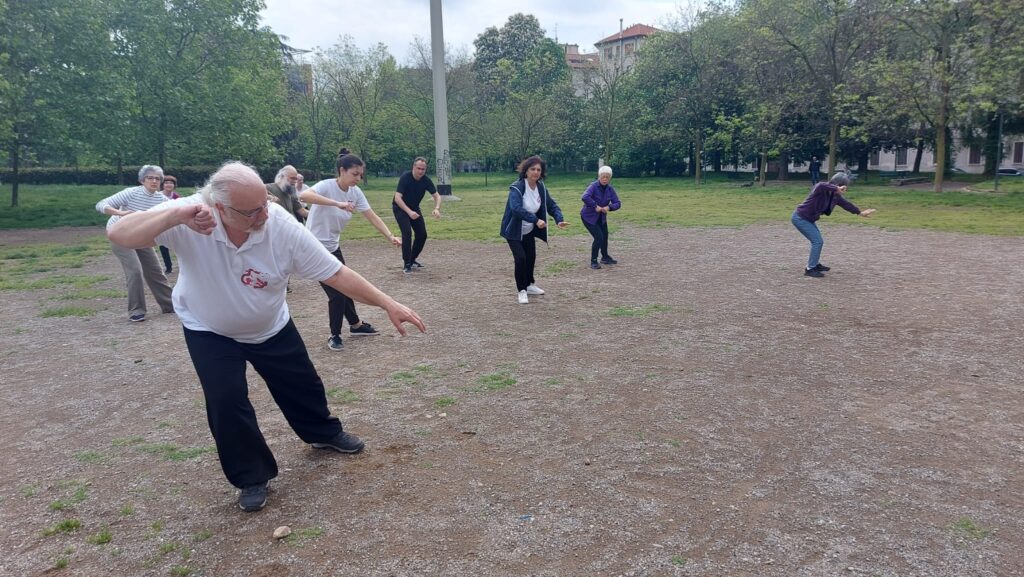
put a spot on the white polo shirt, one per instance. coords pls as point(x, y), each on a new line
point(327, 222)
point(239, 292)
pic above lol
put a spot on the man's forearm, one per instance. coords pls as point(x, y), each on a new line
point(140, 229)
point(353, 285)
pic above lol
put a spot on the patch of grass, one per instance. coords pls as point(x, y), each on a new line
point(300, 537)
point(70, 311)
point(89, 294)
point(80, 494)
point(444, 402)
point(127, 510)
point(202, 536)
point(180, 571)
point(969, 529)
point(560, 266)
point(61, 563)
point(637, 311)
point(168, 547)
point(91, 457)
point(65, 526)
point(27, 490)
point(404, 377)
point(553, 382)
point(424, 369)
point(101, 538)
point(678, 560)
point(342, 395)
point(675, 444)
point(127, 442)
point(495, 381)
point(172, 452)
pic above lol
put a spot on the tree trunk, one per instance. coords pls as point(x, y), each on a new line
point(992, 160)
point(784, 166)
point(940, 138)
point(14, 173)
point(833, 145)
point(699, 155)
point(917, 156)
point(763, 169)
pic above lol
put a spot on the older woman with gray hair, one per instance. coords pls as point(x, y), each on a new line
point(139, 264)
point(823, 198)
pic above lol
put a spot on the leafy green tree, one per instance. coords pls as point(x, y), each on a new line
point(51, 71)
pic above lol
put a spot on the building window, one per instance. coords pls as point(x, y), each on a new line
point(901, 156)
point(1018, 152)
point(974, 157)
point(628, 49)
point(873, 159)
point(609, 53)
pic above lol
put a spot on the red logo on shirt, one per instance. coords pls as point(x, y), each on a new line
point(251, 277)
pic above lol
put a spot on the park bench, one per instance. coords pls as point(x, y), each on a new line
point(901, 177)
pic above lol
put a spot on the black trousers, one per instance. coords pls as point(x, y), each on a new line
point(339, 305)
point(600, 233)
point(412, 244)
point(166, 253)
point(525, 254)
point(284, 364)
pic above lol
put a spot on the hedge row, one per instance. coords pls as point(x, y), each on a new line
point(189, 176)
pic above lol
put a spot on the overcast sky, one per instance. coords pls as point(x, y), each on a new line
point(319, 23)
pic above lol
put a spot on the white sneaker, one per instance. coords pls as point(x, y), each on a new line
point(534, 290)
point(523, 299)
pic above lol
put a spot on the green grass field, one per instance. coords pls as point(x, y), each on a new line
point(648, 202)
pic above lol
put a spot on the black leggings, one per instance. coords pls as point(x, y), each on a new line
point(339, 305)
point(600, 233)
point(525, 254)
point(411, 249)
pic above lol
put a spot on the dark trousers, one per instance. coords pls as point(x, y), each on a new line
point(166, 253)
point(411, 248)
point(284, 364)
point(339, 305)
point(600, 233)
point(525, 254)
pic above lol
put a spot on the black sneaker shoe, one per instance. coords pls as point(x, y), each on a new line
point(137, 318)
point(334, 343)
point(253, 498)
point(343, 443)
point(813, 272)
point(609, 260)
point(822, 267)
point(594, 265)
point(417, 264)
point(407, 269)
point(365, 329)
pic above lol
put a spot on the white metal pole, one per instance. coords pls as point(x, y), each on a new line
point(441, 152)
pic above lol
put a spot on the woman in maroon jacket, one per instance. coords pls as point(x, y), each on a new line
point(823, 198)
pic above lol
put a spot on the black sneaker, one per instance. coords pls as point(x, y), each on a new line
point(253, 498)
point(407, 269)
point(417, 264)
point(137, 318)
point(609, 260)
point(343, 443)
point(594, 265)
point(822, 267)
point(813, 272)
point(365, 329)
point(334, 343)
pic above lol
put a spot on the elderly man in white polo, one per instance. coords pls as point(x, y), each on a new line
point(235, 252)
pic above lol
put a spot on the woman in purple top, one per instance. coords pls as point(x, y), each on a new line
point(823, 198)
point(599, 198)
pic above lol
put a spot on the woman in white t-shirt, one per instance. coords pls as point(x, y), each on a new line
point(331, 204)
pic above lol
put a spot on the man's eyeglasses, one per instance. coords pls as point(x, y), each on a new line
point(156, 178)
point(250, 213)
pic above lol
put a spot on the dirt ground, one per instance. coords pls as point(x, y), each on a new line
point(699, 409)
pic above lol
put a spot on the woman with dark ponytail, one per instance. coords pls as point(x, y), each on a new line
point(331, 204)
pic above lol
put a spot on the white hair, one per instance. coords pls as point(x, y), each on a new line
point(150, 169)
point(229, 175)
point(604, 170)
point(282, 175)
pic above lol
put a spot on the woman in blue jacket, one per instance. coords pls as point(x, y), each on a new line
point(823, 198)
point(598, 200)
point(525, 220)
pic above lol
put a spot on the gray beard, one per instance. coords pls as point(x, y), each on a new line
point(287, 188)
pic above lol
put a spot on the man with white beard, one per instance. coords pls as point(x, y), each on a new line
point(285, 194)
